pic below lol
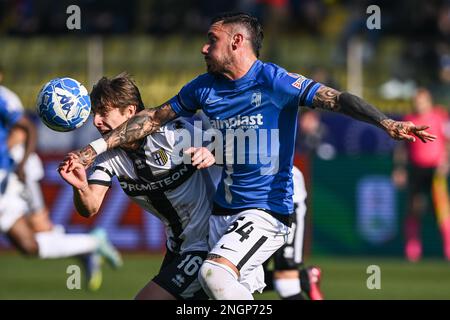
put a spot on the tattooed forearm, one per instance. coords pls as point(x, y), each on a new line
point(326, 98)
point(86, 156)
point(395, 128)
point(349, 104)
point(139, 126)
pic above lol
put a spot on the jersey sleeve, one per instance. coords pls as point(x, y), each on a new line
point(101, 171)
point(294, 90)
point(9, 116)
point(191, 96)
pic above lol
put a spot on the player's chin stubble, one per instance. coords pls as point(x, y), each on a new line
point(211, 67)
point(216, 67)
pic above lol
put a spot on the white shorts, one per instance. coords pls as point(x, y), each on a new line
point(12, 203)
point(33, 196)
point(247, 239)
point(34, 172)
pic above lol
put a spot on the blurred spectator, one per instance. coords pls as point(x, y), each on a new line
point(311, 139)
point(322, 75)
point(312, 132)
point(425, 31)
point(425, 165)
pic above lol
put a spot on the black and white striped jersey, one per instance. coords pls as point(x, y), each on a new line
point(179, 194)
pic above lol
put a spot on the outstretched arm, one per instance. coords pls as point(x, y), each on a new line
point(355, 107)
point(139, 126)
point(87, 198)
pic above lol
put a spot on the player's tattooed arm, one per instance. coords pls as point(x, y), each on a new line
point(332, 100)
point(86, 155)
point(139, 126)
point(326, 98)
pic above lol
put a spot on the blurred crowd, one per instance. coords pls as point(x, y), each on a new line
point(156, 17)
point(424, 26)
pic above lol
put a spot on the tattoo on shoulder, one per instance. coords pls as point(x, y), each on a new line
point(326, 98)
point(141, 125)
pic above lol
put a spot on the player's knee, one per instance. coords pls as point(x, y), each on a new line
point(29, 247)
point(215, 279)
point(204, 274)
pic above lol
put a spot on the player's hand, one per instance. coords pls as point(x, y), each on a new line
point(72, 160)
point(406, 130)
point(84, 156)
point(73, 172)
point(201, 157)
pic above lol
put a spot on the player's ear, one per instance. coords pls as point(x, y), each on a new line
point(131, 110)
point(237, 40)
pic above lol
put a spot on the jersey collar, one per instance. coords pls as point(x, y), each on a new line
point(250, 75)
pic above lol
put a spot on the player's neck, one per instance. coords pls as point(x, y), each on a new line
point(240, 68)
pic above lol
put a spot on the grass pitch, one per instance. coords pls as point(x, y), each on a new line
point(343, 278)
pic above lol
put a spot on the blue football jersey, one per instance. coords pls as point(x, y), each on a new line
point(11, 111)
point(262, 107)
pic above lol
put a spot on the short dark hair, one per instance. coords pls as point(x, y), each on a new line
point(118, 92)
point(249, 22)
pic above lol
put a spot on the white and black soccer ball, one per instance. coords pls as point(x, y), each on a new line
point(63, 104)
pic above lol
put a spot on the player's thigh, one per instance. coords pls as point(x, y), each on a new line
point(250, 239)
point(22, 237)
point(419, 188)
point(152, 291)
point(179, 277)
point(40, 220)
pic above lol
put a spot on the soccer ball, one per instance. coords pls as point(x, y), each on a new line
point(63, 104)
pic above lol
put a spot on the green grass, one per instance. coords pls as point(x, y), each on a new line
point(343, 278)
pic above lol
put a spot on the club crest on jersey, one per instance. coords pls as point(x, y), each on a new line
point(256, 99)
point(298, 83)
point(160, 157)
